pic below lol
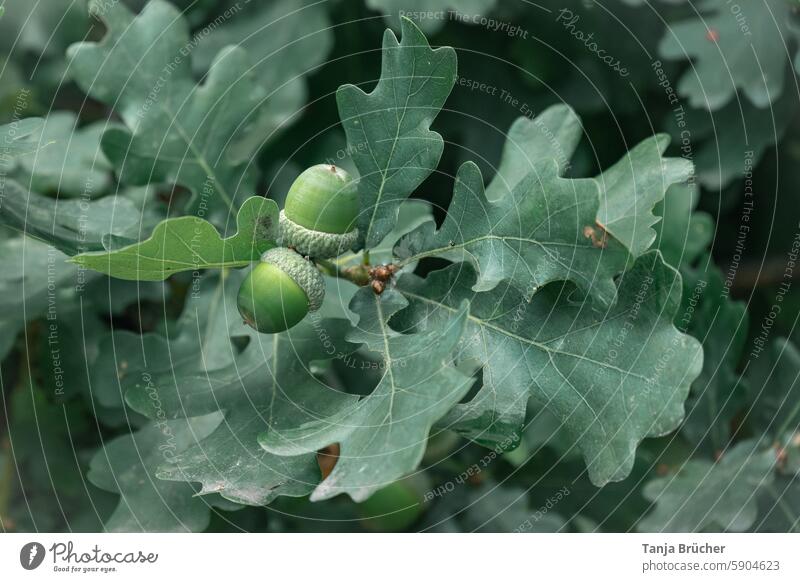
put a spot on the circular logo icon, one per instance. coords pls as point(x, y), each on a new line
point(31, 555)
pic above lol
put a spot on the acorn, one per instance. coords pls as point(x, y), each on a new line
point(280, 291)
point(319, 217)
point(392, 509)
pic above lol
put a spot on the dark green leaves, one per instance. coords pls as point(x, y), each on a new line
point(71, 226)
point(16, 139)
point(554, 133)
point(732, 53)
point(285, 39)
point(127, 466)
point(268, 386)
point(383, 435)
point(707, 496)
point(176, 131)
point(190, 243)
point(200, 370)
point(388, 129)
point(718, 393)
point(611, 377)
point(531, 236)
point(68, 161)
point(774, 386)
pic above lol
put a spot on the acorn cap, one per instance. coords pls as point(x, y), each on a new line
point(307, 277)
point(315, 243)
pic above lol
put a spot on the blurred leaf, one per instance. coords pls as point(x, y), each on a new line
point(71, 226)
point(16, 139)
point(285, 40)
point(721, 325)
point(774, 385)
point(730, 53)
point(68, 161)
point(491, 508)
point(682, 234)
point(177, 131)
point(42, 27)
point(127, 465)
point(47, 456)
point(728, 143)
point(706, 497)
point(33, 276)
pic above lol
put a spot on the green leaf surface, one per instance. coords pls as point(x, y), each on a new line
point(127, 465)
point(189, 243)
point(18, 138)
point(199, 370)
point(774, 388)
point(533, 236)
point(286, 40)
point(611, 377)
point(491, 508)
point(27, 268)
point(721, 324)
point(383, 435)
point(682, 234)
point(779, 506)
point(388, 129)
point(705, 497)
point(176, 131)
point(68, 161)
point(269, 387)
point(46, 466)
point(727, 56)
point(633, 186)
point(71, 226)
point(43, 29)
point(726, 144)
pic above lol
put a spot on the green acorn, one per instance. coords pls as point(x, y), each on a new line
point(394, 508)
point(319, 218)
point(280, 291)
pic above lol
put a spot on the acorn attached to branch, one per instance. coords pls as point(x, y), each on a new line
point(280, 291)
point(319, 217)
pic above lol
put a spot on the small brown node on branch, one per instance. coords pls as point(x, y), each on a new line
point(381, 273)
point(378, 286)
point(327, 458)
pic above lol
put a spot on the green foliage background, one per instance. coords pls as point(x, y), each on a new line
point(523, 374)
